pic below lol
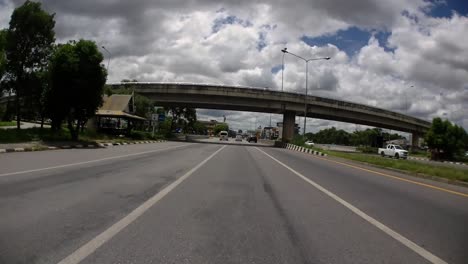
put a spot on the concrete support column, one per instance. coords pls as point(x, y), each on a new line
point(415, 137)
point(289, 120)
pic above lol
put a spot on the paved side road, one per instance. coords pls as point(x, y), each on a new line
point(208, 203)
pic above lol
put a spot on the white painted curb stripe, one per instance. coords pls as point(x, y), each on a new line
point(88, 248)
point(408, 243)
point(91, 161)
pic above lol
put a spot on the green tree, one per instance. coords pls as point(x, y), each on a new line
point(220, 127)
point(330, 136)
point(165, 127)
point(29, 42)
point(200, 128)
point(6, 112)
point(368, 137)
point(143, 106)
point(445, 139)
point(77, 80)
point(3, 59)
point(182, 117)
point(190, 117)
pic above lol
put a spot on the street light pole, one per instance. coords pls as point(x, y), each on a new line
point(406, 100)
point(282, 71)
point(305, 101)
point(108, 60)
point(306, 84)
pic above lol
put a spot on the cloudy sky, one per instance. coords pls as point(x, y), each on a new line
point(409, 56)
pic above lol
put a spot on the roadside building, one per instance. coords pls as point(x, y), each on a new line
point(270, 133)
point(116, 115)
point(210, 125)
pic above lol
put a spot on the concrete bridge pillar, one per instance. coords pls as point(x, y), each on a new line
point(289, 120)
point(415, 139)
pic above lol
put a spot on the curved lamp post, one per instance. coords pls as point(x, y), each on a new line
point(108, 60)
point(306, 83)
point(282, 70)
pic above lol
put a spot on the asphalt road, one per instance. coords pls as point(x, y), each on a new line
point(180, 202)
point(232, 141)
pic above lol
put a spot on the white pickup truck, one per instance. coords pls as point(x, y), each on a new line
point(393, 151)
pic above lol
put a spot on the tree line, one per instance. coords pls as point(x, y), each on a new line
point(62, 82)
point(444, 139)
point(373, 137)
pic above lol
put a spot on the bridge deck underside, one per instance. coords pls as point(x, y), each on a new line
point(270, 106)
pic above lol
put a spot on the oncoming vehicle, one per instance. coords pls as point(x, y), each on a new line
point(394, 151)
point(223, 135)
point(239, 138)
point(309, 143)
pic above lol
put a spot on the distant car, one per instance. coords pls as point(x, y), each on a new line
point(239, 138)
point(252, 138)
point(309, 143)
point(223, 135)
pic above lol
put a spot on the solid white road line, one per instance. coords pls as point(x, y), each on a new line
point(88, 248)
point(408, 243)
point(91, 161)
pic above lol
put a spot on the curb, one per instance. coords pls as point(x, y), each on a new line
point(303, 150)
point(80, 146)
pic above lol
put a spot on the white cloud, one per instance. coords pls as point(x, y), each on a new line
point(175, 41)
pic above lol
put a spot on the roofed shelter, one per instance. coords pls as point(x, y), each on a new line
point(116, 115)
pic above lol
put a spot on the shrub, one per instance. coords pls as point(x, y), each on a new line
point(138, 135)
point(298, 140)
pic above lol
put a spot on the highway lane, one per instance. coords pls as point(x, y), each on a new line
point(234, 205)
point(46, 214)
point(435, 219)
point(242, 207)
point(22, 161)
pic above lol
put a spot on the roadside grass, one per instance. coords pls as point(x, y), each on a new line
point(420, 154)
point(441, 171)
point(47, 135)
point(7, 123)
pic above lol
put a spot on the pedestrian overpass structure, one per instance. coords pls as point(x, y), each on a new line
point(267, 101)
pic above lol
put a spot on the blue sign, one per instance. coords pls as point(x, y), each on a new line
point(161, 117)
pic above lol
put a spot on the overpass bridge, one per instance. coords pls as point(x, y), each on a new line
point(268, 101)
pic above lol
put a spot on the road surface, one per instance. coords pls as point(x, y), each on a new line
point(232, 141)
point(177, 202)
